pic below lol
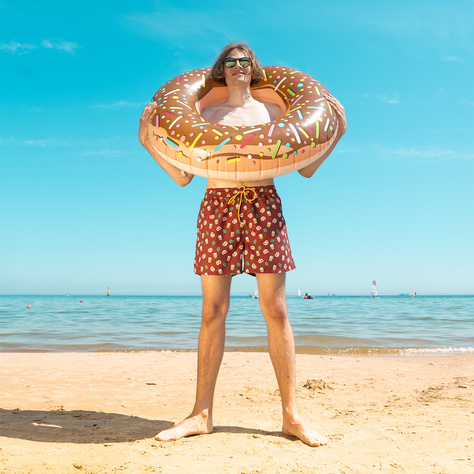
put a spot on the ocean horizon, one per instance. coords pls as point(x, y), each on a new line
point(244, 294)
point(339, 324)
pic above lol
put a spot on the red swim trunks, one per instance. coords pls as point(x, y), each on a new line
point(242, 230)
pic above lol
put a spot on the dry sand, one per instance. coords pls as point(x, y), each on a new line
point(98, 413)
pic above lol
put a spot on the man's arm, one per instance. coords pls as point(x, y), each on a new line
point(179, 177)
point(309, 170)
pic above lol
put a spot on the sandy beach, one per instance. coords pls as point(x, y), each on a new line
point(99, 412)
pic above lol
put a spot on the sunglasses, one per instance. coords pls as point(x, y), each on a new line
point(244, 62)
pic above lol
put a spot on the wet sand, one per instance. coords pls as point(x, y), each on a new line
point(99, 412)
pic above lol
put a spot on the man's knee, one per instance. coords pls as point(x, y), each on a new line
point(274, 311)
point(214, 310)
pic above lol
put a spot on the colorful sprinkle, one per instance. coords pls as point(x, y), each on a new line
point(186, 105)
point(303, 132)
point(172, 143)
point(171, 92)
point(278, 85)
point(180, 117)
point(277, 147)
point(293, 129)
point(195, 140)
point(221, 144)
point(246, 141)
point(296, 100)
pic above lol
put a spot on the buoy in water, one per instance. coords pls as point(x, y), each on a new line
point(29, 306)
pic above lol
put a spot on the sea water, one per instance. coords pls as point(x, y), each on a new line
point(334, 325)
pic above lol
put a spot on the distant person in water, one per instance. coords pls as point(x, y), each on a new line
point(238, 67)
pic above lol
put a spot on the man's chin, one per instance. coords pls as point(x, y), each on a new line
point(240, 79)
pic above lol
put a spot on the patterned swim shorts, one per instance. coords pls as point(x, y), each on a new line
point(242, 230)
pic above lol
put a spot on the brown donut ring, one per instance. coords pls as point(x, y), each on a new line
point(182, 137)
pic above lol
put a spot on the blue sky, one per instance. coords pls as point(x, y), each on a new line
point(83, 206)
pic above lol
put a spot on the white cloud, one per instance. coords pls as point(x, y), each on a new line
point(384, 98)
point(87, 147)
point(454, 59)
point(60, 45)
point(119, 104)
point(434, 154)
point(46, 44)
point(106, 152)
point(420, 153)
point(15, 47)
point(38, 143)
point(388, 153)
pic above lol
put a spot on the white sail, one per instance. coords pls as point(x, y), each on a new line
point(375, 293)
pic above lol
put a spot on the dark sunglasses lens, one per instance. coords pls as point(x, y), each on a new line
point(244, 62)
point(230, 62)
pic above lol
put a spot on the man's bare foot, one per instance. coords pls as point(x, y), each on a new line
point(304, 433)
point(192, 425)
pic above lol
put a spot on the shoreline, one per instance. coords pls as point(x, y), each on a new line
point(307, 350)
point(98, 412)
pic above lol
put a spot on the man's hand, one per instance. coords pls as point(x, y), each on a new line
point(338, 109)
point(340, 113)
point(149, 112)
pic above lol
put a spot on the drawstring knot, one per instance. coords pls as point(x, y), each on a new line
point(249, 194)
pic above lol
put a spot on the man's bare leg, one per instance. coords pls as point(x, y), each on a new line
point(281, 345)
point(215, 304)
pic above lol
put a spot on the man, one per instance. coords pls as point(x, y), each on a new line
point(238, 66)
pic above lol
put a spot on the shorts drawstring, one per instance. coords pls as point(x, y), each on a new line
point(243, 193)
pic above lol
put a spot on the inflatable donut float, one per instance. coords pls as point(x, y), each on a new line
point(301, 136)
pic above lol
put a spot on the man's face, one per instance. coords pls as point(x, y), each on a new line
point(237, 75)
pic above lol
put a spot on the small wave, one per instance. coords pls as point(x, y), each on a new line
point(438, 350)
point(385, 351)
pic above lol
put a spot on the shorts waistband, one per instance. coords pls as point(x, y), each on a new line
point(227, 192)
